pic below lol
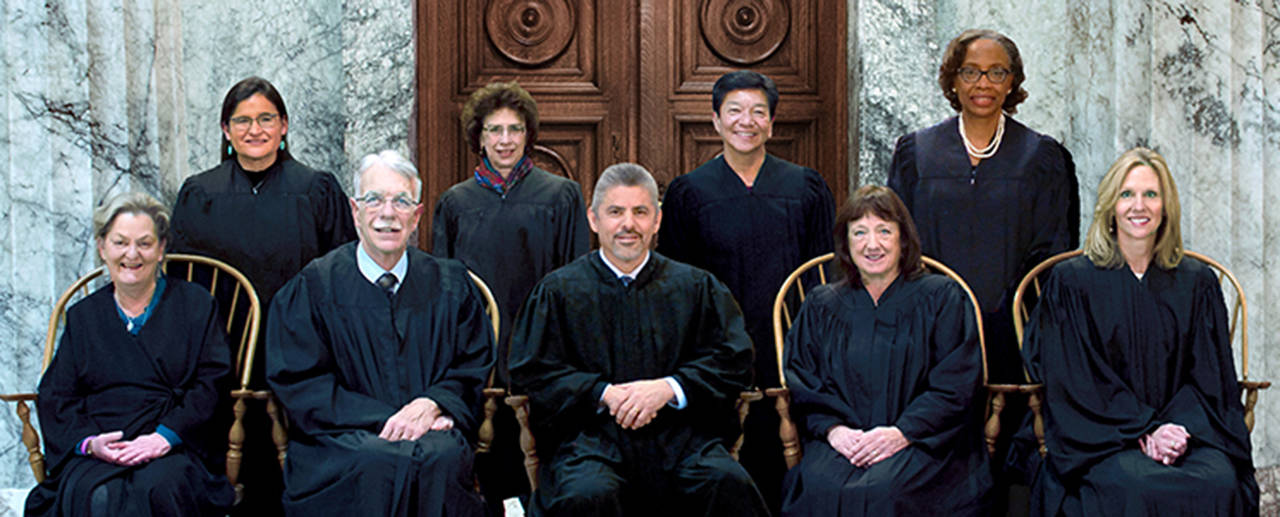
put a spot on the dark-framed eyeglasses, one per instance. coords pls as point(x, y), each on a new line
point(265, 121)
point(373, 200)
point(996, 75)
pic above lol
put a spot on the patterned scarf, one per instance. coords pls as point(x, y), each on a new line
point(489, 178)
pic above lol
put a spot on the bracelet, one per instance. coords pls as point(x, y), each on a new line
point(85, 448)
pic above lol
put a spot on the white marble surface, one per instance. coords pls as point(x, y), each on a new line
point(98, 97)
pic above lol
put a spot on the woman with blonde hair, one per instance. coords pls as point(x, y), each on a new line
point(1142, 410)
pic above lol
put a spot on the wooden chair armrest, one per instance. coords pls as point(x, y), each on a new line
point(1251, 399)
point(279, 425)
point(995, 404)
point(235, 442)
point(520, 403)
point(791, 451)
point(484, 437)
point(30, 438)
point(743, 405)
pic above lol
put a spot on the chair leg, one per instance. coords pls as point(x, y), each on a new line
point(520, 403)
point(484, 438)
point(235, 447)
point(992, 429)
point(32, 441)
point(278, 433)
point(1250, 400)
point(743, 406)
point(1033, 402)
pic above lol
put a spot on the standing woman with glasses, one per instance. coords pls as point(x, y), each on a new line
point(511, 223)
point(267, 215)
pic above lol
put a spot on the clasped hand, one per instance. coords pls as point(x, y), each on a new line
point(636, 403)
point(1166, 444)
point(109, 447)
point(866, 448)
point(414, 420)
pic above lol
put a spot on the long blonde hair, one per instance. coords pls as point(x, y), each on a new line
point(1100, 243)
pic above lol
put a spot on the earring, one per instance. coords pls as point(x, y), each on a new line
point(230, 150)
point(282, 145)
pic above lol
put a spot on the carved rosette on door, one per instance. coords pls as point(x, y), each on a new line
point(530, 32)
point(745, 32)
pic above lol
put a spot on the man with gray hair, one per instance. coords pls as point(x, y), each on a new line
point(632, 363)
point(378, 353)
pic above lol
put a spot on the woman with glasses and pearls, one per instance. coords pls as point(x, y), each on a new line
point(267, 215)
point(511, 223)
point(127, 405)
point(991, 197)
point(1142, 410)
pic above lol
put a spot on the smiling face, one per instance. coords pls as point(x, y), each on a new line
point(626, 221)
point(983, 98)
point(1140, 208)
point(502, 137)
point(131, 250)
point(384, 230)
point(875, 248)
point(256, 146)
point(744, 121)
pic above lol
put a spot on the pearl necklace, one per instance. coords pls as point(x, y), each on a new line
point(990, 150)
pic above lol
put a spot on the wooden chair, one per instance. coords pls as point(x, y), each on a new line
point(792, 294)
point(1239, 310)
point(484, 439)
point(243, 317)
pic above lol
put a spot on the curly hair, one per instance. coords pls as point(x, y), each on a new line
point(490, 98)
point(954, 56)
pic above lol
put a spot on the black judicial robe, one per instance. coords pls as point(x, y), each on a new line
point(913, 362)
point(269, 233)
point(991, 223)
point(749, 238)
point(343, 357)
point(511, 240)
point(105, 379)
point(1120, 357)
point(581, 329)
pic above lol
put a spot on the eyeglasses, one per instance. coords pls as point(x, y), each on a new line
point(496, 130)
point(969, 74)
point(373, 200)
point(266, 121)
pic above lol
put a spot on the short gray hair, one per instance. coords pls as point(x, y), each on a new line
point(392, 160)
point(624, 175)
point(131, 203)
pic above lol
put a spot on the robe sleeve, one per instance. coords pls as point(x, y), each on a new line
point(443, 228)
point(459, 393)
point(332, 213)
point(61, 403)
point(1056, 214)
point(184, 213)
point(720, 368)
point(574, 238)
point(677, 237)
point(815, 399)
point(539, 354)
point(301, 370)
point(1090, 412)
point(935, 416)
point(191, 415)
point(1209, 404)
point(902, 170)
point(820, 217)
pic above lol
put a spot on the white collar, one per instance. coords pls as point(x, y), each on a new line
point(371, 270)
point(618, 272)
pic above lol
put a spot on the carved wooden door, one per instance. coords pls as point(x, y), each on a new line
point(629, 81)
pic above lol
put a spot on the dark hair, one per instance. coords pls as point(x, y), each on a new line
point(238, 93)
point(885, 204)
point(744, 80)
point(492, 97)
point(954, 56)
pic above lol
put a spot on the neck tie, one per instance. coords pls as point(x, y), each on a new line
point(388, 283)
point(626, 280)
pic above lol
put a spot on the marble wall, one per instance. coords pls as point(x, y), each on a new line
point(100, 97)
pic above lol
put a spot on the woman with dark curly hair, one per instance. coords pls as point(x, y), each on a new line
point(510, 223)
point(991, 197)
point(885, 372)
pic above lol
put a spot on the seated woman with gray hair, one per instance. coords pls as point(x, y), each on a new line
point(126, 403)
